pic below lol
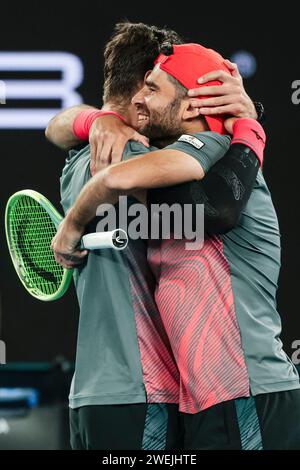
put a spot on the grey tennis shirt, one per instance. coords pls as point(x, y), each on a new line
point(123, 354)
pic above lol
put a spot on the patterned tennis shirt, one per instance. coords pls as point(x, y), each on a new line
point(218, 304)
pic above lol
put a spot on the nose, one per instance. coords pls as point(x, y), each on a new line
point(139, 98)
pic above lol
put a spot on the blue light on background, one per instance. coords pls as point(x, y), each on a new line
point(246, 63)
point(30, 395)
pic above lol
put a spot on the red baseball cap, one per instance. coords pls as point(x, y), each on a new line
point(189, 62)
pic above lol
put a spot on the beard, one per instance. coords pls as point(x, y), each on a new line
point(164, 126)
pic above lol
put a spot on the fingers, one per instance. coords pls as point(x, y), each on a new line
point(67, 260)
point(233, 68)
point(70, 261)
point(216, 101)
point(228, 98)
point(62, 262)
point(103, 158)
point(219, 75)
point(76, 257)
point(96, 145)
point(232, 109)
point(140, 138)
point(215, 90)
point(100, 149)
point(120, 143)
point(93, 153)
point(108, 138)
point(229, 83)
point(117, 150)
point(92, 169)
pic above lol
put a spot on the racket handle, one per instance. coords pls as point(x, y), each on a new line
point(116, 239)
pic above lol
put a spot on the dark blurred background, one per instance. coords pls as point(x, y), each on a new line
point(36, 331)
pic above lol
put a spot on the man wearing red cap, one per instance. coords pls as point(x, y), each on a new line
point(238, 389)
point(218, 303)
point(198, 61)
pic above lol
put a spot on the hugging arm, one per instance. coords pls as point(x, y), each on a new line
point(108, 135)
point(60, 129)
point(224, 191)
point(155, 169)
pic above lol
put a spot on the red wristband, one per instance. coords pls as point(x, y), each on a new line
point(83, 122)
point(249, 132)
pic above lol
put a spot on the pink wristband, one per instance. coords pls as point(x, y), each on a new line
point(83, 122)
point(249, 132)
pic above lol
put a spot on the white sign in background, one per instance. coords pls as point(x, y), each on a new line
point(2, 92)
point(63, 89)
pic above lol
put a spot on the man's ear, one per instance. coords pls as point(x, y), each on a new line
point(189, 112)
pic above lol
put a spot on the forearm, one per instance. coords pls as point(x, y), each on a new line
point(156, 169)
point(96, 192)
point(224, 191)
point(60, 129)
point(228, 183)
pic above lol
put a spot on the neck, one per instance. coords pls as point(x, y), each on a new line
point(195, 125)
point(119, 107)
point(188, 127)
point(161, 143)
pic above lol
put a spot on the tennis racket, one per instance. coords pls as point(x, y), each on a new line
point(31, 221)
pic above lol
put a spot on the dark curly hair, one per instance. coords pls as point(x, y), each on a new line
point(129, 54)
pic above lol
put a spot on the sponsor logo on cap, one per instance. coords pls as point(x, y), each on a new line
point(190, 139)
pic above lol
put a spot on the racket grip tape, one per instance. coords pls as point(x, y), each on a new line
point(117, 239)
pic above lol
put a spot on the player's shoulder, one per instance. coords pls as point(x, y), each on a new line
point(202, 139)
point(202, 143)
point(76, 152)
point(76, 156)
point(134, 148)
point(76, 161)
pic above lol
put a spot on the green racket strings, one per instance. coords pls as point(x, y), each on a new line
point(31, 231)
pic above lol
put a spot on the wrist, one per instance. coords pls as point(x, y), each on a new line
point(253, 113)
point(84, 121)
point(72, 221)
point(249, 132)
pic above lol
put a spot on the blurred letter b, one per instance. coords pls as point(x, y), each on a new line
point(2, 352)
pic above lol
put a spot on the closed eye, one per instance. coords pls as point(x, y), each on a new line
point(151, 85)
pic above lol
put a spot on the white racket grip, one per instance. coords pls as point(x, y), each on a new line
point(116, 239)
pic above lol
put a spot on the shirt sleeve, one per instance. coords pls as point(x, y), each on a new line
point(133, 149)
point(74, 175)
point(75, 153)
point(206, 147)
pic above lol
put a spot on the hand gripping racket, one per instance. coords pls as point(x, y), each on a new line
point(31, 222)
